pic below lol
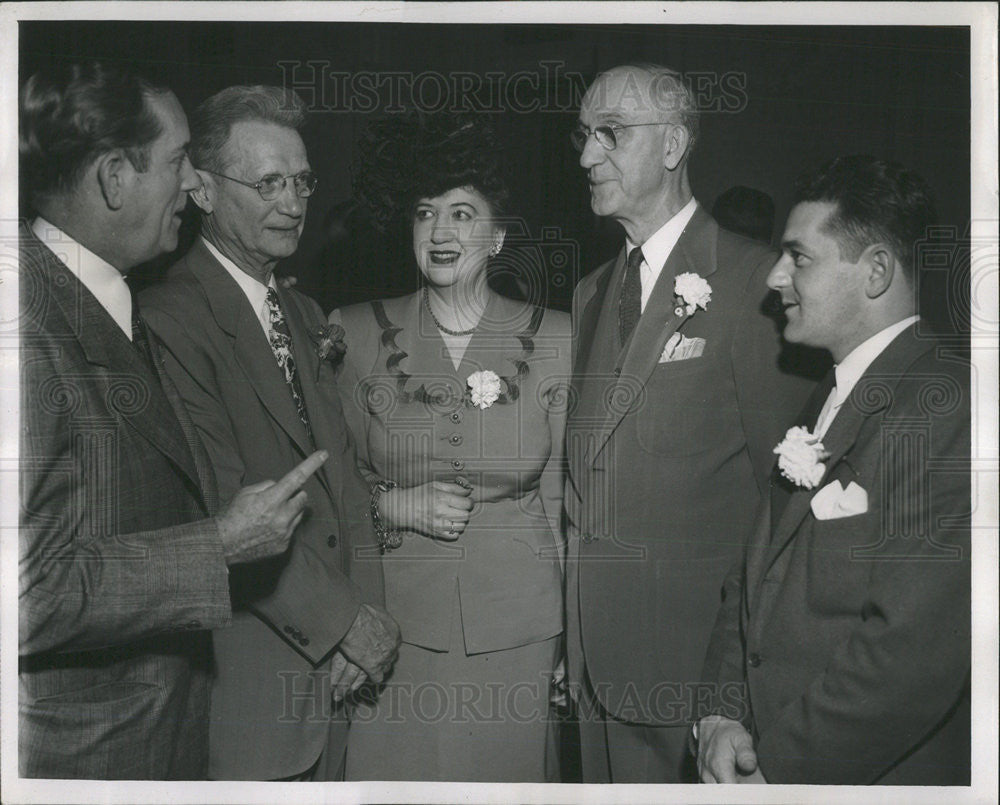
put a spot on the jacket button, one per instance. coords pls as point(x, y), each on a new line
point(618, 372)
point(456, 416)
point(458, 464)
point(455, 439)
point(304, 641)
point(332, 540)
point(753, 659)
point(288, 629)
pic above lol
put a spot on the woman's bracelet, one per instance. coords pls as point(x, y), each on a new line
point(388, 539)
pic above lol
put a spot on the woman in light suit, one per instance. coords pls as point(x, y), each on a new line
point(456, 397)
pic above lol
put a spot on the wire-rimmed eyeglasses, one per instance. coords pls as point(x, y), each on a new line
point(272, 185)
point(606, 135)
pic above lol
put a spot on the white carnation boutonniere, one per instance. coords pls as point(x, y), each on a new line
point(800, 457)
point(692, 291)
point(484, 388)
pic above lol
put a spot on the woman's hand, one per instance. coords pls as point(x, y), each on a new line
point(437, 509)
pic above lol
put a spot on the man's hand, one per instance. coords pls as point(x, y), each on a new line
point(345, 676)
point(372, 642)
point(260, 519)
point(725, 751)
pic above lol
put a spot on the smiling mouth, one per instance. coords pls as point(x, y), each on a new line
point(443, 258)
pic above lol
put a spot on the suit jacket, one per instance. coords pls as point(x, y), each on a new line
point(120, 572)
point(667, 463)
point(506, 563)
point(270, 700)
point(844, 644)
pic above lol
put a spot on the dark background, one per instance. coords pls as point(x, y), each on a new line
point(780, 100)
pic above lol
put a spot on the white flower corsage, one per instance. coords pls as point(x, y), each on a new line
point(693, 291)
point(800, 457)
point(484, 388)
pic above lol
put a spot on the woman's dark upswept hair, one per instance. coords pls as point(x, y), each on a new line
point(410, 156)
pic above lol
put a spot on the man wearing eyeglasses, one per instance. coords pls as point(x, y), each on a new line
point(245, 354)
point(679, 402)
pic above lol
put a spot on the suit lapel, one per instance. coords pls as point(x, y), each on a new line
point(251, 351)
point(591, 312)
point(695, 252)
point(320, 407)
point(131, 388)
point(884, 372)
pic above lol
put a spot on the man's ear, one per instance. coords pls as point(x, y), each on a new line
point(113, 171)
point(675, 146)
point(881, 265)
point(202, 194)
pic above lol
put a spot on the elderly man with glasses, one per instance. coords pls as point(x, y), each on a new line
point(679, 402)
point(254, 363)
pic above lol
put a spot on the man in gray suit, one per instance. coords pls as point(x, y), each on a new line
point(241, 350)
point(679, 400)
point(122, 568)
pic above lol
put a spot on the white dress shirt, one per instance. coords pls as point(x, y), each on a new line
point(98, 276)
point(254, 289)
point(658, 247)
point(848, 372)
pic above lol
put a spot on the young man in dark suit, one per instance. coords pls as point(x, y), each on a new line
point(842, 651)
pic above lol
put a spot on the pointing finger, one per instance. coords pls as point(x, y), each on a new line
point(300, 474)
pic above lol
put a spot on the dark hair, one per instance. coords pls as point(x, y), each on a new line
point(410, 156)
point(745, 211)
point(74, 112)
point(213, 120)
point(877, 201)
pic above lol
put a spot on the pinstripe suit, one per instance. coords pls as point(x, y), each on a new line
point(120, 572)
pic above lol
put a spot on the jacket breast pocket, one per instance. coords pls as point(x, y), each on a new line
point(689, 407)
point(837, 583)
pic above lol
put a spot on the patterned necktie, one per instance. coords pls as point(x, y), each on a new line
point(630, 304)
point(281, 346)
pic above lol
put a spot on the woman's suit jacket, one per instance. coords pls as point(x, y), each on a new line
point(403, 400)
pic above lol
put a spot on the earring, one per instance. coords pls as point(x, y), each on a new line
point(495, 248)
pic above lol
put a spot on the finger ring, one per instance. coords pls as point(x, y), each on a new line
point(453, 533)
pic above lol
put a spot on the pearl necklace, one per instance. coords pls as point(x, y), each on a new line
point(438, 324)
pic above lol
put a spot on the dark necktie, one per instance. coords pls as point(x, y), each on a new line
point(630, 304)
point(281, 345)
point(140, 338)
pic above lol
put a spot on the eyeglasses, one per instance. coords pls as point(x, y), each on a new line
point(606, 135)
point(272, 185)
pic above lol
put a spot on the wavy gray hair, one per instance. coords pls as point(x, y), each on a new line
point(214, 118)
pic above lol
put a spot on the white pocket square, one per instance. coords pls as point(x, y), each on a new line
point(680, 348)
point(833, 501)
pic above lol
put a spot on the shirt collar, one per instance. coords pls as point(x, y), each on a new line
point(850, 370)
point(98, 276)
point(660, 244)
point(254, 290)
